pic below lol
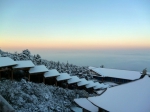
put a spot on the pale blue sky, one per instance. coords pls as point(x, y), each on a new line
point(87, 23)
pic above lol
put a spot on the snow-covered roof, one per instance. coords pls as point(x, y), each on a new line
point(6, 61)
point(82, 82)
point(91, 67)
point(97, 83)
point(51, 73)
point(76, 109)
point(24, 64)
point(86, 104)
point(129, 97)
point(101, 86)
point(63, 76)
point(90, 84)
point(115, 73)
point(38, 69)
point(100, 91)
point(74, 79)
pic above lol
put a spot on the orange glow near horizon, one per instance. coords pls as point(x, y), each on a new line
point(73, 44)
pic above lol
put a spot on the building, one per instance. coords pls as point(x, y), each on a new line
point(114, 75)
point(37, 72)
point(6, 65)
point(23, 65)
point(50, 76)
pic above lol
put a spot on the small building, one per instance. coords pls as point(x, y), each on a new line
point(23, 65)
point(37, 73)
point(74, 79)
point(82, 82)
point(51, 76)
point(115, 75)
point(91, 84)
point(6, 64)
point(73, 82)
point(62, 79)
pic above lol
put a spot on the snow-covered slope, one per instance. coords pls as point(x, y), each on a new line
point(31, 97)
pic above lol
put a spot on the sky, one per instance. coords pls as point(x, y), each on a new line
point(74, 24)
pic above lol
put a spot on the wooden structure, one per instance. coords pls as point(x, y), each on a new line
point(38, 72)
point(63, 78)
point(24, 65)
point(51, 74)
point(6, 64)
point(73, 82)
point(115, 75)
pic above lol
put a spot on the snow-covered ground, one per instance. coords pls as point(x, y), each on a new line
point(27, 96)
